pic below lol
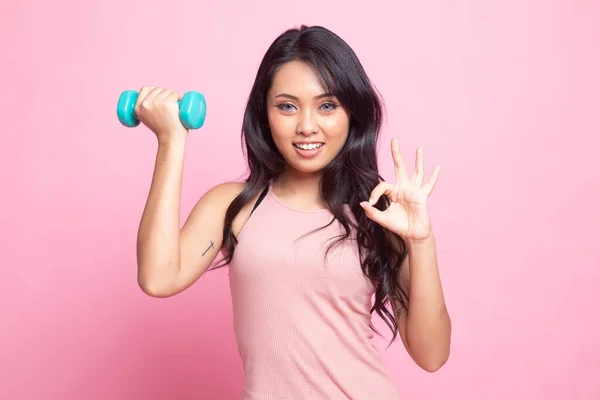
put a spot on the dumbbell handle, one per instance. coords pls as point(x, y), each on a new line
point(192, 109)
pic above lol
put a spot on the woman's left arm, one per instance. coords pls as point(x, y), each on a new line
point(425, 328)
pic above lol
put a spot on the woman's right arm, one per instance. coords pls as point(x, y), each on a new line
point(171, 258)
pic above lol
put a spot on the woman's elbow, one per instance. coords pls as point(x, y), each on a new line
point(158, 288)
point(434, 363)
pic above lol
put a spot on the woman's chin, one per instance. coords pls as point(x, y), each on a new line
point(307, 167)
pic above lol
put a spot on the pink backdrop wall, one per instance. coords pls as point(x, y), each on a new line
point(504, 94)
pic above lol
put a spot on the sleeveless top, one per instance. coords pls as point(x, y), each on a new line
point(301, 319)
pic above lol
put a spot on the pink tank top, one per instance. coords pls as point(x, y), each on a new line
point(302, 322)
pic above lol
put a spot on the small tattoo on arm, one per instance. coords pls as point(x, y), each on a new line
point(212, 246)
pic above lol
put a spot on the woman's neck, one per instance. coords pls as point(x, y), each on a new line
point(300, 190)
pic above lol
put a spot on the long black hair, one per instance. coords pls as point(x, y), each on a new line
point(350, 177)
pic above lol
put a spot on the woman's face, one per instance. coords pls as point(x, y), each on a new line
point(309, 126)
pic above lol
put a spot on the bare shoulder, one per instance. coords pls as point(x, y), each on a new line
point(210, 209)
point(225, 192)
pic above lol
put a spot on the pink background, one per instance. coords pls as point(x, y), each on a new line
point(504, 94)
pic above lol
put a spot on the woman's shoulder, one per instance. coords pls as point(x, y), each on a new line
point(226, 191)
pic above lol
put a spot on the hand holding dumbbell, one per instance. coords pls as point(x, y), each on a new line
point(161, 109)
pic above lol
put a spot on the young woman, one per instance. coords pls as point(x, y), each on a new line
point(314, 239)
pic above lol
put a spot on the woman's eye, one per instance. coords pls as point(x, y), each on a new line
point(329, 106)
point(286, 107)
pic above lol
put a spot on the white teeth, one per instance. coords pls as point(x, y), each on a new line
point(310, 146)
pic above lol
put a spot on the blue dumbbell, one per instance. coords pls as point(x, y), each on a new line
point(192, 109)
